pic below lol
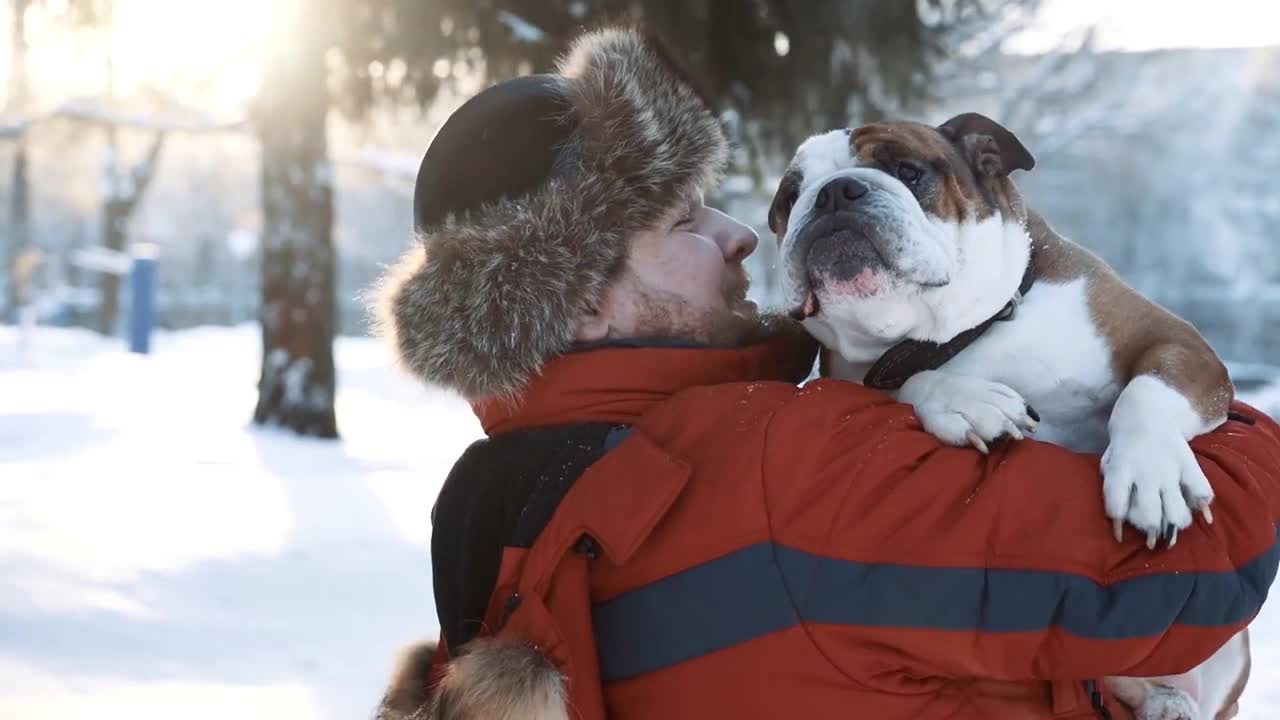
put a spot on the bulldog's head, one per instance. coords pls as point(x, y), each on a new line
point(898, 230)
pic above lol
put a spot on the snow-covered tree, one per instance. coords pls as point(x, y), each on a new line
point(20, 188)
point(297, 383)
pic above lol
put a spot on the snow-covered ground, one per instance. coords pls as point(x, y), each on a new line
point(162, 559)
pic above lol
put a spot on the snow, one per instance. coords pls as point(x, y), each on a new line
point(164, 558)
point(1266, 399)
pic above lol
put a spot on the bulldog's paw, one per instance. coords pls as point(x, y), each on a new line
point(962, 410)
point(1154, 699)
point(1152, 480)
point(1166, 703)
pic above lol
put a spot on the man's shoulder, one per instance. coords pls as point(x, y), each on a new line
point(818, 396)
point(828, 402)
point(817, 404)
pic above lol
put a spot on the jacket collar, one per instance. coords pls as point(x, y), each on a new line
point(619, 384)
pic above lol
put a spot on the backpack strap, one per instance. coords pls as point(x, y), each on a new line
point(500, 494)
point(546, 497)
point(594, 493)
point(603, 510)
point(607, 514)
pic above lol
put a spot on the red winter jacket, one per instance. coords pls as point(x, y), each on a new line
point(774, 551)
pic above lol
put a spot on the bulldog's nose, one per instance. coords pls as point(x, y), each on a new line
point(839, 194)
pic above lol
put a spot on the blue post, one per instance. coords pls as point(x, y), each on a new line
point(142, 295)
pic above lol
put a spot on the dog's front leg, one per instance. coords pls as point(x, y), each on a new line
point(1150, 476)
point(1172, 697)
point(965, 410)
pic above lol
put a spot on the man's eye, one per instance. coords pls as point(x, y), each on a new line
point(909, 173)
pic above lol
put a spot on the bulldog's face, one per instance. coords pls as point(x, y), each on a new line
point(880, 224)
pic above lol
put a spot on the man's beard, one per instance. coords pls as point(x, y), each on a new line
point(671, 317)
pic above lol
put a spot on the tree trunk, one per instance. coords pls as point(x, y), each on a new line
point(121, 198)
point(121, 194)
point(297, 384)
point(18, 287)
point(20, 209)
point(115, 217)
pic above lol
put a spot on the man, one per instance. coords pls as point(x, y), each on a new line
point(661, 523)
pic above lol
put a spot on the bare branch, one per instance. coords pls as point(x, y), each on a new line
point(143, 173)
point(94, 111)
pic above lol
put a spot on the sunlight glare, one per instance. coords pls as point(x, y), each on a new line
point(210, 50)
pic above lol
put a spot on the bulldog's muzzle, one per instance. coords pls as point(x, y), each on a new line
point(841, 236)
point(853, 236)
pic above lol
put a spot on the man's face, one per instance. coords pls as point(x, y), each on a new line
point(684, 280)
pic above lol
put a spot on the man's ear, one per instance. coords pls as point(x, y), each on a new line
point(989, 147)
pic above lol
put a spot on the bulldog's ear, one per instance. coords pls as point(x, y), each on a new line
point(783, 200)
point(987, 145)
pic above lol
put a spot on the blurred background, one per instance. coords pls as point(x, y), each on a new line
point(214, 488)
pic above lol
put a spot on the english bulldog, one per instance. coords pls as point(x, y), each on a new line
point(909, 253)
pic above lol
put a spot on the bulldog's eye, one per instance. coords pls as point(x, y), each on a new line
point(909, 173)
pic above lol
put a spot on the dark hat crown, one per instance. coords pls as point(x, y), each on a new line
point(503, 143)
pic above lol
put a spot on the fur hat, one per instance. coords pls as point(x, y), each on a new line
point(570, 165)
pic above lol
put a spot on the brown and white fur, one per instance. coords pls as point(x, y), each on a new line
point(899, 231)
point(491, 679)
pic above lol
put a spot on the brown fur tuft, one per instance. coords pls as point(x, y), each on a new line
point(407, 692)
point(492, 679)
point(480, 305)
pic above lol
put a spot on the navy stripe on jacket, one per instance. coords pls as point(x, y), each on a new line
point(749, 593)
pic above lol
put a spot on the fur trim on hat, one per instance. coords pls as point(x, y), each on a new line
point(481, 303)
point(493, 679)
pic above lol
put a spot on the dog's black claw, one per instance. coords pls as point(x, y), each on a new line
point(1031, 412)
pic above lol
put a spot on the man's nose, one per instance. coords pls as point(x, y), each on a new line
point(839, 195)
point(736, 240)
